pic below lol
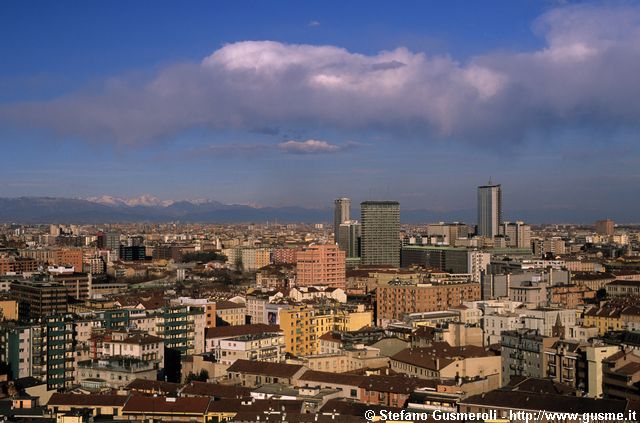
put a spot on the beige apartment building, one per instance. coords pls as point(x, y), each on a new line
point(247, 259)
point(230, 312)
point(345, 360)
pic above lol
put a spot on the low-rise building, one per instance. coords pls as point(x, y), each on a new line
point(606, 318)
point(442, 361)
point(522, 353)
point(255, 373)
point(312, 293)
point(140, 346)
point(549, 321)
point(158, 408)
point(569, 296)
point(347, 360)
point(494, 324)
point(623, 288)
point(230, 313)
point(532, 293)
point(621, 375)
point(100, 405)
point(114, 373)
point(267, 346)
point(592, 280)
point(213, 336)
point(506, 401)
point(256, 304)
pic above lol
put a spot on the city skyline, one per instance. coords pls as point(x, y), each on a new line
point(531, 95)
point(250, 211)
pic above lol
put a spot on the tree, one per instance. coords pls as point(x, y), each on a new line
point(203, 256)
point(203, 376)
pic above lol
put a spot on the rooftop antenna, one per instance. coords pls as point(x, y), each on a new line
point(489, 180)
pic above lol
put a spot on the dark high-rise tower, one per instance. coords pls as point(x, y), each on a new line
point(349, 238)
point(489, 210)
point(341, 214)
point(380, 233)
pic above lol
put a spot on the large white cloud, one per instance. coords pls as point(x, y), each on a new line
point(312, 147)
point(587, 73)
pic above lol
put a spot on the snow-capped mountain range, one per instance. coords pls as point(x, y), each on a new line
point(146, 208)
point(145, 200)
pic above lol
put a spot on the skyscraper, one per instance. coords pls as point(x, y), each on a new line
point(341, 212)
point(380, 243)
point(349, 238)
point(489, 210)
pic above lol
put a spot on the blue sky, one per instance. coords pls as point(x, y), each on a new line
point(297, 103)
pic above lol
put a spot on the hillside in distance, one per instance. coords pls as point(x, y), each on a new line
point(67, 210)
point(150, 209)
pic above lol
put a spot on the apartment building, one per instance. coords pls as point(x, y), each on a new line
point(523, 354)
point(230, 313)
point(399, 298)
point(268, 346)
point(442, 361)
point(322, 264)
point(303, 325)
point(39, 298)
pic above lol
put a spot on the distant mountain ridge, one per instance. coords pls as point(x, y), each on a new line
point(146, 200)
point(107, 209)
point(111, 209)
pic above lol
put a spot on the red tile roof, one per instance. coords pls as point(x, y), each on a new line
point(396, 384)
point(439, 355)
point(88, 400)
point(227, 305)
point(265, 368)
point(215, 390)
point(173, 405)
point(154, 386)
point(229, 331)
point(255, 405)
point(313, 376)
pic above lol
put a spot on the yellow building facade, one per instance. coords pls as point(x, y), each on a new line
point(604, 318)
point(304, 325)
point(9, 310)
